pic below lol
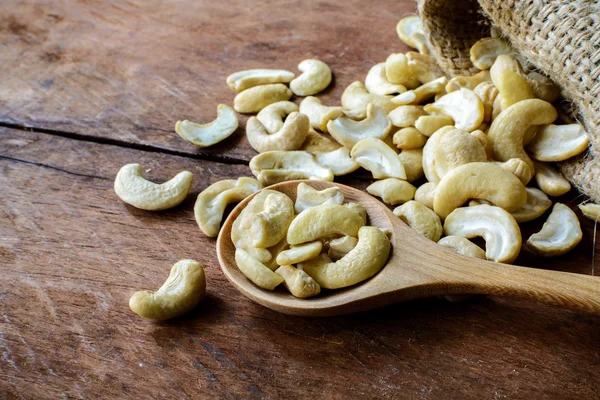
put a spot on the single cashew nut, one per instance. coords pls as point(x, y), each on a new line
point(379, 158)
point(558, 142)
point(496, 226)
point(322, 221)
point(550, 180)
point(182, 291)
point(410, 31)
point(272, 116)
point(429, 158)
point(405, 116)
point(537, 204)
point(397, 72)
point(348, 132)
point(508, 76)
point(543, 88)
point(362, 262)
point(339, 161)
point(279, 166)
point(591, 211)
point(392, 191)
point(298, 282)
point(478, 180)
point(256, 98)
point(240, 81)
point(468, 82)
point(316, 142)
point(421, 219)
point(425, 194)
point(315, 77)
point(409, 138)
point(339, 247)
point(423, 67)
point(420, 94)
point(462, 246)
point(211, 202)
point(456, 148)
point(376, 82)
point(208, 134)
point(463, 106)
point(429, 124)
point(134, 189)
point(487, 92)
point(256, 271)
point(280, 247)
point(357, 97)
point(301, 253)
point(308, 197)
point(485, 51)
point(559, 235)
point(318, 113)
point(290, 137)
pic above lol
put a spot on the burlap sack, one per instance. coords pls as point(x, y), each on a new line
point(560, 38)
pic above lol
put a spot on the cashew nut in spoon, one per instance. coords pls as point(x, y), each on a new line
point(425, 194)
point(278, 166)
point(256, 98)
point(182, 291)
point(256, 271)
point(550, 180)
point(397, 72)
point(134, 189)
point(242, 80)
point(339, 161)
point(298, 282)
point(318, 113)
point(323, 221)
point(409, 138)
point(348, 132)
point(559, 235)
point(462, 245)
point(421, 219)
point(376, 82)
point(392, 191)
point(300, 253)
point(315, 142)
point(405, 116)
point(420, 94)
point(208, 134)
point(272, 116)
point(339, 247)
point(291, 136)
point(358, 209)
point(497, 227)
point(357, 97)
point(423, 67)
point(315, 77)
point(485, 51)
point(378, 158)
point(308, 197)
point(558, 142)
point(463, 106)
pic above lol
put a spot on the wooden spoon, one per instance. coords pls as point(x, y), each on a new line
point(417, 268)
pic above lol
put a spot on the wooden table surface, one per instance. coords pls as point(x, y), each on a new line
point(88, 86)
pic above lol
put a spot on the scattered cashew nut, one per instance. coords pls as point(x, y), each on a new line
point(242, 80)
point(558, 142)
point(463, 106)
point(315, 77)
point(376, 82)
point(279, 166)
point(318, 113)
point(272, 116)
point(379, 158)
point(208, 134)
point(256, 98)
point(291, 136)
point(559, 235)
point(357, 97)
point(348, 132)
point(550, 180)
point(392, 191)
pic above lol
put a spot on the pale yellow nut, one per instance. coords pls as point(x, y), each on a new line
point(591, 211)
point(405, 116)
point(358, 209)
point(468, 82)
point(462, 246)
point(134, 189)
point(318, 113)
point(339, 247)
point(348, 132)
point(339, 161)
point(323, 221)
point(212, 133)
point(409, 138)
point(182, 291)
point(316, 142)
point(408, 29)
point(308, 197)
point(356, 114)
point(212, 201)
point(423, 67)
point(483, 139)
point(487, 92)
point(242, 80)
point(485, 51)
point(397, 72)
point(508, 129)
point(429, 158)
point(315, 77)
point(543, 88)
point(301, 253)
point(256, 98)
point(362, 262)
point(478, 180)
point(508, 76)
point(376, 82)
point(412, 161)
point(274, 251)
point(456, 148)
point(298, 282)
point(291, 136)
point(378, 158)
point(280, 166)
point(357, 97)
point(518, 168)
point(421, 219)
point(420, 94)
point(392, 191)
point(256, 271)
point(558, 142)
point(425, 194)
point(559, 235)
point(536, 205)
point(496, 226)
point(389, 141)
point(463, 106)
point(496, 107)
point(272, 116)
point(550, 180)
point(429, 124)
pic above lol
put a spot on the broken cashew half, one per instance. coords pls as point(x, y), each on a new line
point(558, 142)
point(590, 211)
point(550, 180)
point(357, 97)
point(376, 82)
point(308, 197)
point(256, 271)
point(298, 282)
point(318, 113)
point(242, 80)
point(559, 235)
point(315, 77)
point(348, 132)
point(291, 136)
point(323, 221)
point(256, 98)
point(463, 246)
point(378, 158)
point(211, 133)
point(339, 161)
point(537, 204)
point(463, 106)
point(421, 219)
point(392, 191)
point(279, 166)
point(412, 161)
point(300, 253)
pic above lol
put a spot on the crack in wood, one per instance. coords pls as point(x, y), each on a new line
point(53, 168)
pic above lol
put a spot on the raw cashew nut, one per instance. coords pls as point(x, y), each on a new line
point(316, 142)
point(589, 210)
point(496, 226)
point(478, 180)
point(338, 161)
point(463, 106)
point(421, 219)
point(356, 97)
point(429, 158)
point(485, 51)
point(518, 168)
point(456, 148)
point(240, 81)
point(509, 78)
point(550, 180)
point(558, 142)
point(290, 137)
point(274, 251)
point(559, 235)
point(425, 194)
point(358, 209)
point(379, 158)
point(132, 188)
point(301, 253)
point(508, 129)
point(462, 246)
point(211, 202)
point(392, 191)
point(318, 113)
point(348, 132)
point(272, 116)
point(181, 292)
point(339, 247)
point(362, 262)
point(543, 88)
point(468, 82)
point(315, 77)
point(429, 124)
point(298, 282)
point(279, 166)
point(256, 271)
point(423, 67)
point(420, 94)
point(405, 116)
point(409, 138)
point(410, 31)
point(256, 98)
point(537, 204)
point(208, 134)
point(397, 72)
point(322, 221)
point(376, 82)
point(308, 197)
point(487, 92)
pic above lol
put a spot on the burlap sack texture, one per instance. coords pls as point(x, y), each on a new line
point(560, 38)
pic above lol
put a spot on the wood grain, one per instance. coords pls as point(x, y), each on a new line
point(72, 254)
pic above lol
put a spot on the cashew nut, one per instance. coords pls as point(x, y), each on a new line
point(339, 247)
point(279, 166)
point(298, 282)
point(420, 94)
point(316, 142)
point(392, 191)
point(379, 158)
point(208, 134)
point(322, 221)
point(315, 77)
point(134, 189)
point(425, 194)
point(543, 88)
point(409, 138)
point(462, 246)
point(468, 82)
point(308, 197)
point(405, 116)
point(318, 113)
point(356, 97)
point(358, 209)
point(558, 142)
point(463, 106)
point(423, 67)
point(537, 204)
point(240, 81)
point(478, 180)
point(256, 98)
point(591, 211)
point(550, 180)
point(272, 116)
point(485, 51)
point(211, 202)
point(376, 82)
point(429, 150)
point(256, 271)
point(290, 137)
point(362, 262)
point(421, 219)
point(456, 148)
point(397, 72)
point(429, 124)
point(487, 92)
point(518, 168)
point(338, 161)
point(302, 252)
point(348, 132)
point(508, 77)
point(181, 292)
point(559, 235)
point(410, 31)
point(496, 226)
point(274, 251)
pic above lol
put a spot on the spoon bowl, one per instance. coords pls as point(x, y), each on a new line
point(417, 268)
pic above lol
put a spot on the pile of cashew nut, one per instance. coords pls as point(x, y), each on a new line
point(460, 158)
